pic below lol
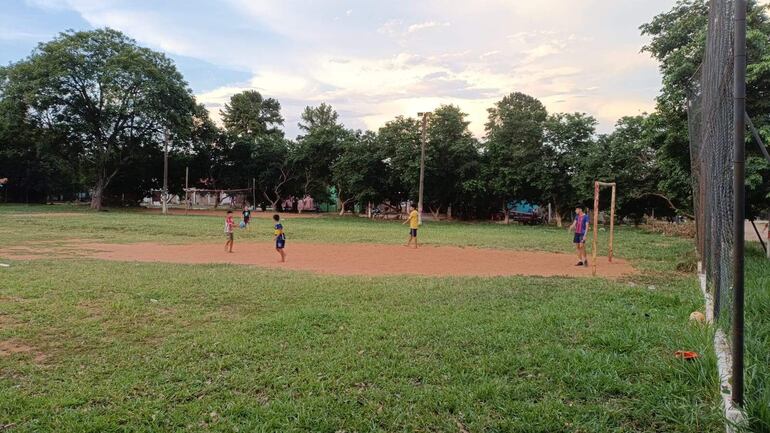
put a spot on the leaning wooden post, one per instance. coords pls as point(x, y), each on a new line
point(612, 222)
point(596, 221)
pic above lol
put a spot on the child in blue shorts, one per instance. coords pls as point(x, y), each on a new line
point(280, 237)
point(580, 225)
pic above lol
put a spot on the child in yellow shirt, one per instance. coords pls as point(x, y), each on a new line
point(414, 224)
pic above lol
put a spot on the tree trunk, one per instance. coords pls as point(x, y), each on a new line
point(507, 217)
point(436, 213)
point(369, 210)
point(557, 215)
point(449, 212)
point(96, 195)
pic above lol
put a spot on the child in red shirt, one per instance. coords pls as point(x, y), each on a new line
point(229, 224)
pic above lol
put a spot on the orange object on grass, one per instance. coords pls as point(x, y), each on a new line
point(682, 354)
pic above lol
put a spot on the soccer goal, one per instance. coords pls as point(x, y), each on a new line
point(215, 198)
point(597, 190)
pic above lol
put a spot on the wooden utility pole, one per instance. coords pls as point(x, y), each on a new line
point(186, 187)
point(164, 195)
point(423, 141)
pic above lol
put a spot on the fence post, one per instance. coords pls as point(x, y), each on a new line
point(739, 189)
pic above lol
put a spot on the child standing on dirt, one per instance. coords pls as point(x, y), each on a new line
point(246, 215)
point(580, 225)
point(229, 223)
point(280, 237)
point(414, 224)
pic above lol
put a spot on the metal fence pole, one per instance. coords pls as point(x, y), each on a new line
point(739, 190)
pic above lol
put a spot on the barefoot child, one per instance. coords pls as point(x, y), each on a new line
point(280, 237)
point(580, 225)
point(229, 223)
point(414, 224)
point(246, 215)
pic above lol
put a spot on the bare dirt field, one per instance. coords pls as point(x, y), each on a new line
point(345, 259)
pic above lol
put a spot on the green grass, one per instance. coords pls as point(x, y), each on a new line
point(161, 347)
point(757, 334)
point(647, 250)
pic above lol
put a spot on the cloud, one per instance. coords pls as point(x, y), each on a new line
point(396, 57)
point(426, 25)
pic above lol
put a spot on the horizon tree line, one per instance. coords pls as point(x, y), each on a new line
point(90, 111)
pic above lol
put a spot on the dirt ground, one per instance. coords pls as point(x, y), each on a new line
point(345, 259)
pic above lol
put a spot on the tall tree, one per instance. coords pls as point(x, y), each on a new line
point(249, 114)
point(322, 116)
point(361, 172)
point(514, 148)
point(400, 139)
point(256, 148)
point(36, 161)
point(315, 152)
point(568, 136)
point(110, 96)
point(452, 159)
point(677, 41)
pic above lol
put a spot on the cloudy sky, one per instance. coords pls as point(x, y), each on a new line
point(375, 59)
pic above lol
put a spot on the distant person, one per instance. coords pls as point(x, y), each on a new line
point(414, 224)
point(246, 215)
point(229, 223)
point(580, 226)
point(280, 237)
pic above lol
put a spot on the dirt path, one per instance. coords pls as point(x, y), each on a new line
point(353, 259)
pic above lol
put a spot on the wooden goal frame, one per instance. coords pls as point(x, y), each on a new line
point(597, 189)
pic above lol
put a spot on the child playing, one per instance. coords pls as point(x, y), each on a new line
point(580, 225)
point(246, 215)
point(414, 224)
point(280, 237)
point(229, 232)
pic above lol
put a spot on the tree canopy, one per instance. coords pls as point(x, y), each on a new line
point(105, 98)
point(87, 114)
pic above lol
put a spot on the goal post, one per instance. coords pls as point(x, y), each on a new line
point(597, 190)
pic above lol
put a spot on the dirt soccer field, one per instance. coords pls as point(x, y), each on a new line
point(342, 259)
point(132, 321)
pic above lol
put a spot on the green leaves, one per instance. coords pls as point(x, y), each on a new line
point(250, 115)
point(515, 146)
point(110, 98)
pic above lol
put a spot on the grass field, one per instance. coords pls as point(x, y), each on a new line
point(109, 346)
point(757, 339)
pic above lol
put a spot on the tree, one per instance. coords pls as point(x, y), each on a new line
point(568, 137)
point(322, 116)
point(514, 148)
point(452, 159)
point(400, 141)
point(314, 153)
point(361, 172)
point(34, 160)
point(255, 147)
point(111, 98)
point(628, 157)
point(677, 41)
point(249, 114)
point(272, 158)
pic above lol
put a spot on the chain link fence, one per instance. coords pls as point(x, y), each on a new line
point(711, 127)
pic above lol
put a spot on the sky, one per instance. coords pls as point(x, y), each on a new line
point(372, 59)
